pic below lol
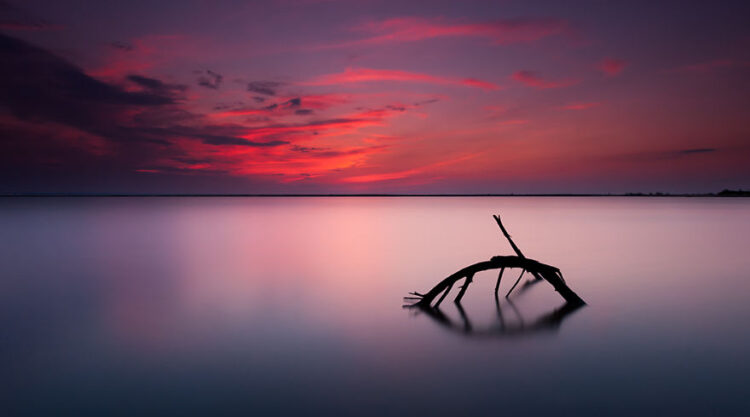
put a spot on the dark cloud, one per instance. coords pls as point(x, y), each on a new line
point(210, 135)
point(229, 106)
point(179, 170)
point(327, 122)
point(289, 104)
point(57, 122)
point(165, 115)
point(330, 153)
point(122, 46)
point(295, 102)
point(36, 85)
point(306, 149)
point(664, 155)
point(259, 99)
point(268, 88)
point(192, 161)
point(303, 112)
point(231, 140)
point(157, 86)
point(210, 79)
point(285, 105)
point(150, 83)
point(423, 102)
point(696, 150)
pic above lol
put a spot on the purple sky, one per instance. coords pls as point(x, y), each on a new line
point(304, 96)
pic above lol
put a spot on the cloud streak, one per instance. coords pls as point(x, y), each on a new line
point(696, 151)
point(364, 75)
point(267, 88)
point(413, 29)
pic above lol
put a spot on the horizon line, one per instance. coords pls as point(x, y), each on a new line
point(629, 194)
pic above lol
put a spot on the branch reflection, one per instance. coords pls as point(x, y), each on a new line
point(515, 327)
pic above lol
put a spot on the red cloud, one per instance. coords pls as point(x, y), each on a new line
point(283, 164)
point(358, 75)
point(155, 130)
point(409, 29)
point(324, 101)
point(531, 79)
point(473, 82)
point(285, 106)
point(309, 150)
point(611, 66)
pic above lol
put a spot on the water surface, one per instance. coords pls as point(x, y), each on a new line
point(281, 306)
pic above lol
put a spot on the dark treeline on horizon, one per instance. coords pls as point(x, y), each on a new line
point(723, 193)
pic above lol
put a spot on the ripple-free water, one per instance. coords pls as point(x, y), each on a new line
point(284, 306)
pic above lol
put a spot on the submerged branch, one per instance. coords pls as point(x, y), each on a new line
point(539, 270)
point(547, 272)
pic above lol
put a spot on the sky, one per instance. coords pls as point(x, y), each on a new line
point(366, 96)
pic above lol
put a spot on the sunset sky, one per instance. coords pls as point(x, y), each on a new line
point(366, 96)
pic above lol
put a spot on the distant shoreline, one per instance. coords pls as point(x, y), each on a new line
point(725, 193)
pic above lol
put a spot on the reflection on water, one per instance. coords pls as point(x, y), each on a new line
point(520, 328)
point(279, 306)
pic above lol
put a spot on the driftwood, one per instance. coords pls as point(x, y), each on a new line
point(537, 269)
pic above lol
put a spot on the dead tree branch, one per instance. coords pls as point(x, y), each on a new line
point(539, 270)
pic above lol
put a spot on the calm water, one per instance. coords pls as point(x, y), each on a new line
point(283, 306)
